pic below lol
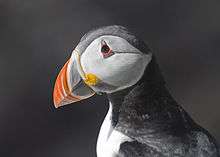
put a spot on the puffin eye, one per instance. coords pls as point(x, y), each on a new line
point(105, 50)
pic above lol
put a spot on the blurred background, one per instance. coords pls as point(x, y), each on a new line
point(37, 36)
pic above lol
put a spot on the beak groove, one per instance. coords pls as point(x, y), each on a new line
point(62, 94)
point(69, 86)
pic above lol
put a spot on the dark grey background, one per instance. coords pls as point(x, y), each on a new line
point(37, 36)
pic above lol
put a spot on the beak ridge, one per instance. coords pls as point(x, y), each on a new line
point(62, 94)
point(69, 86)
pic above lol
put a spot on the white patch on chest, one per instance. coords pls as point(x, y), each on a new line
point(109, 140)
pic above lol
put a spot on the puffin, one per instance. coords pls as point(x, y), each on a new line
point(143, 119)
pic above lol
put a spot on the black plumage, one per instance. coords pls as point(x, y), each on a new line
point(160, 127)
point(148, 114)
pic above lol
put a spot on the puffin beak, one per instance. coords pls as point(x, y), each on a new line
point(69, 86)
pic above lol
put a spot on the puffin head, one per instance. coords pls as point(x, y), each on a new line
point(106, 60)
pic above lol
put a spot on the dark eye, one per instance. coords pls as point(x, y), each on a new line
point(106, 50)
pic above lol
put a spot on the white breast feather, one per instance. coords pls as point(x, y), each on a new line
point(109, 140)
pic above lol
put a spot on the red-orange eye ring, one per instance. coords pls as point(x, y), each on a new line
point(105, 50)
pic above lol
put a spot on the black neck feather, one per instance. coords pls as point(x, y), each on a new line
point(148, 104)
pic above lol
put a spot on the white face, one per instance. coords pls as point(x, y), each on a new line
point(121, 68)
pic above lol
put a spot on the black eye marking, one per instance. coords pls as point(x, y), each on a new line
point(106, 50)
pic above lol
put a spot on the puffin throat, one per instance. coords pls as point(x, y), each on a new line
point(148, 104)
point(151, 81)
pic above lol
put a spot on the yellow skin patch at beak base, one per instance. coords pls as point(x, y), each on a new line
point(91, 79)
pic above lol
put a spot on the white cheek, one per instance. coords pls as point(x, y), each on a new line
point(121, 69)
point(118, 70)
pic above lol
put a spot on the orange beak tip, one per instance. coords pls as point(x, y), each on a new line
point(63, 94)
point(56, 105)
point(58, 102)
